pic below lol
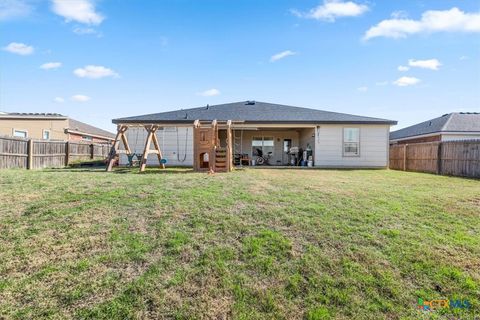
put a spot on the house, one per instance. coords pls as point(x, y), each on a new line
point(50, 126)
point(450, 126)
point(252, 130)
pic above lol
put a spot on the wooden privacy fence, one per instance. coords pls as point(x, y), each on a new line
point(456, 158)
point(36, 154)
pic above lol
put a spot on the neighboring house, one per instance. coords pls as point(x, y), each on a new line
point(336, 139)
point(450, 126)
point(50, 126)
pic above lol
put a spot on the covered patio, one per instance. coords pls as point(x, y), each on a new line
point(272, 145)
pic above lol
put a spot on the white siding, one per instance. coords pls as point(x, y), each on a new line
point(373, 146)
point(171, 150)
point(452, 137)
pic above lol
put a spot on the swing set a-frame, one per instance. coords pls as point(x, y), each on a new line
point(122, 137)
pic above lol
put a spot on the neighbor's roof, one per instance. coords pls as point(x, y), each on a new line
point(252, 112)
point(78, 127)
point(31, 115)
point(450, 122)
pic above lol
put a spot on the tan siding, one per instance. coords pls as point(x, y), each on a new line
point(307, 137)
point(35, 127)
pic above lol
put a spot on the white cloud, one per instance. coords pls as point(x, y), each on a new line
point(80, 98)
point(82, 11)
point(399, 14)
point(453, 20)
point(95, 72)
point(406, 81)
point(332, 9)
point(431, 64)
point(282, 55)
point(362, 89)
point(59, 100)
point(403, 68)
point(19, 48)
point(210, 92)
point(11, 9)
point(463, 58)
point(83, 31)
point(51, 65)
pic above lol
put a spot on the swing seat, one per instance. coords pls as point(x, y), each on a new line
point(163, 161)
point(131, 157)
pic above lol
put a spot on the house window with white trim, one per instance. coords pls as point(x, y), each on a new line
point(87, 138)
point(20, 133)
point(351, 142)
point(46, 134)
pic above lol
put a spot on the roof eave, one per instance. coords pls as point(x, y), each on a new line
point(88, 134)
point(433, 133)
point(139, 121)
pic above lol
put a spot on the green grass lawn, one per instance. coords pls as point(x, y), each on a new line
point(252, 244)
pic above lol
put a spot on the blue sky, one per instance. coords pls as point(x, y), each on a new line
point(98, 60)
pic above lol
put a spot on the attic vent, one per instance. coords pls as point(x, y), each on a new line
point(469, 112)
point(446, 114)
point(208, 106)
point(430, 123)
point(250, 103)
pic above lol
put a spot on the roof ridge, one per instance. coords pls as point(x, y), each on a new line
point(450, 116)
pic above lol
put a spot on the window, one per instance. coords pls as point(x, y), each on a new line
point(351, 142)
point(262, 146)
point(46, 134)
point(20, 133)
point(87, 138)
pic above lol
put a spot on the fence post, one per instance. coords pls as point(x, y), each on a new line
point(91, 151)
point(30, 155)
point(439, 158)
point(67, 153)
point(405, 157)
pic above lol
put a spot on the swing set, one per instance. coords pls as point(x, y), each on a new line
point(208, 152)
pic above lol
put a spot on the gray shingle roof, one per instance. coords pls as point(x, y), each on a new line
point(252, 112)
point(32, 115)
point(451, 122)
point(77, 126)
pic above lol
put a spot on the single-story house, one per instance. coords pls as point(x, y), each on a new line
point(450, 126)
point(280, 134)
point(50, 126)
